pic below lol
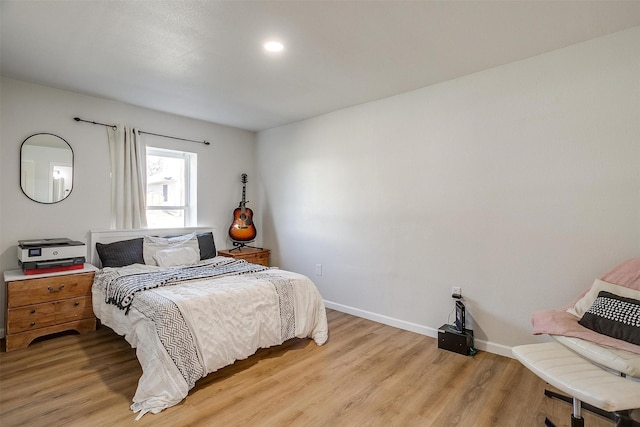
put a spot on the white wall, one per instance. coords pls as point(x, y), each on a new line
point(521, 184)
point(27, 109)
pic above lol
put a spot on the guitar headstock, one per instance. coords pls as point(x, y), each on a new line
point(243, 178)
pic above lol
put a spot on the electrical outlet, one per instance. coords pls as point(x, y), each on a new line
point(456, 292)
point(318, 269)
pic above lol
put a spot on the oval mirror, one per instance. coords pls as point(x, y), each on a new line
point(46, 168)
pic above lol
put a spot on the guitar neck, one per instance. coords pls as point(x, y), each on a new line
point(243, 202)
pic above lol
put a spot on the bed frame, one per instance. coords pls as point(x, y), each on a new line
point(110, 236)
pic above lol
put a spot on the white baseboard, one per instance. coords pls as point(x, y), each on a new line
point(490, 347)
point(499, 349)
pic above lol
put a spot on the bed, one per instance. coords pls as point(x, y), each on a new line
point(189, 312)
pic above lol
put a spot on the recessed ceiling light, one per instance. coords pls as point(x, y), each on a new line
point(273, 46)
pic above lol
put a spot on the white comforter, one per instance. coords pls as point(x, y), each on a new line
point(229, 317)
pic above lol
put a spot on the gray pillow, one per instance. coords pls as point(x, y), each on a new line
point(207, 245)
point(120, 254)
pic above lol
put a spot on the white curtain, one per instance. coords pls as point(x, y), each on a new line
point(128, 178)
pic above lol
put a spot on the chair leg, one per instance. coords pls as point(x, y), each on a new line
point(576, 416)
point(577, 422)
point(625, 420)
point(622, 418)
point(585, 406)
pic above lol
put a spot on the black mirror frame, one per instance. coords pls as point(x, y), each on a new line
point(72, 168)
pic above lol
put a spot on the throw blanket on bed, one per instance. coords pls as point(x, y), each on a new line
point(121, 289)
point(174, 334)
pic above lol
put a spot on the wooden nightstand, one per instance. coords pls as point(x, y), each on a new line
point(44, 304)
point(256, 256)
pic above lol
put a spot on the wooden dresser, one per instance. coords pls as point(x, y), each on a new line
point(253, 255)
point(44, 304)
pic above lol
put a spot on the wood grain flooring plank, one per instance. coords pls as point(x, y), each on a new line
point(367, 374)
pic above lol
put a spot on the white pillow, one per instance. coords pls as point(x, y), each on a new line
point(151, 245)
point(181, 255)
point(584, 304)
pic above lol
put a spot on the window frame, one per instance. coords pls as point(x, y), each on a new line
point(190, 185)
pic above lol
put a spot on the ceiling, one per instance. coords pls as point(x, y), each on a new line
point(204, 59)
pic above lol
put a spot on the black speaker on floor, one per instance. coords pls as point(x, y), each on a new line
point(449, 338)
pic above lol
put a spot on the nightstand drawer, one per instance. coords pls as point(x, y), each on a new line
point(34, 291)
point(30, 317)
point(74, 309)
point(261, 258)
point(252, 255)
point(41, 315)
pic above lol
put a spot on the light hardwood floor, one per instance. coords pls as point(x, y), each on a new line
point(367, 374)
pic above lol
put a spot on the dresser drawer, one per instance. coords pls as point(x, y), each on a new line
point(74, 309)
point(52, 313)
point(252, 255)
point(34, 291)
point(30, 317)
point(260, 258)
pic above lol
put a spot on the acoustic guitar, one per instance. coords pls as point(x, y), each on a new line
point(242, 229)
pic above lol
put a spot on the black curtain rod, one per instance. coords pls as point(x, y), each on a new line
point(78, 119)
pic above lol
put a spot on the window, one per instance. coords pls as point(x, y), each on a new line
point(171, 188)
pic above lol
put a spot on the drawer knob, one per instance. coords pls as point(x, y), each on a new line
point(33, 323)
point(33, 310)
point(76, 303)
point(50, 289)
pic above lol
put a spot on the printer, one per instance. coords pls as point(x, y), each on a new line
point(51, 255)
